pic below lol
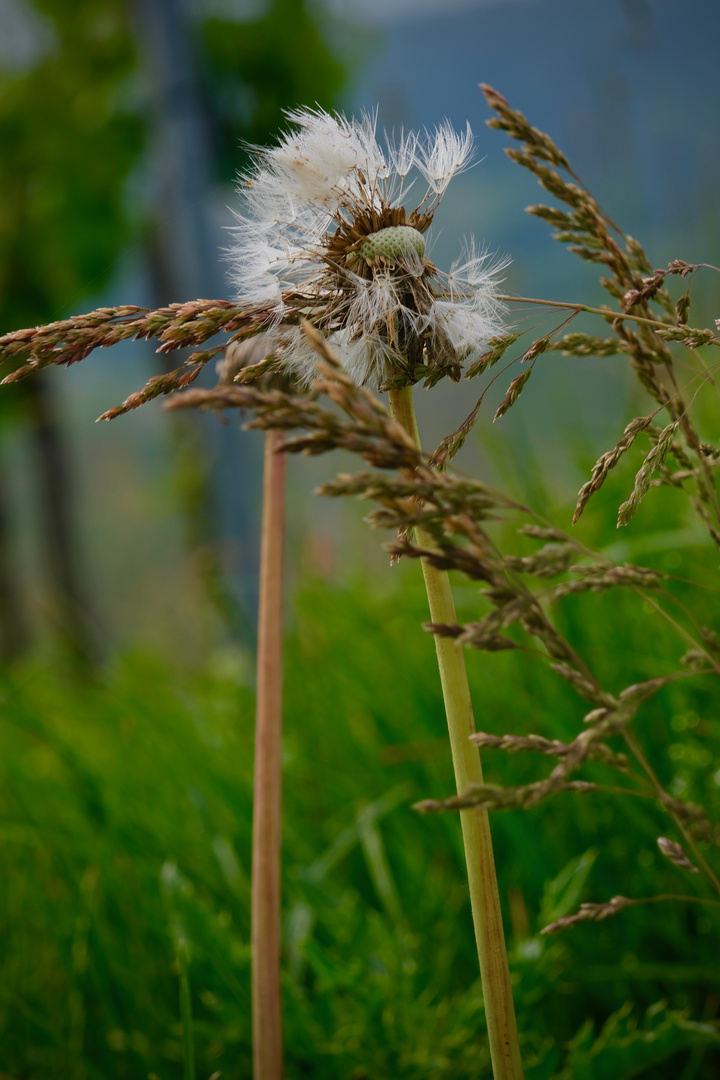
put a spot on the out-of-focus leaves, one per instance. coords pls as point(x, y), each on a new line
point(562, 895)
point(125, 823)
point(69, 136)
point(255, 69)
point(624, 1048)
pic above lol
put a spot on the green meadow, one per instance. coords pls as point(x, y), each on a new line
point(125, 829)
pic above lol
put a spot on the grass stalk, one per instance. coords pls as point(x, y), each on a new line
point(607, 313)
point(482, 879)
point(267, 801)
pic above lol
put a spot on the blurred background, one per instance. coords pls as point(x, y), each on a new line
point(123, 127)
point(129, 550)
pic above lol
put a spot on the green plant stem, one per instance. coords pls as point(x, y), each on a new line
point(267, 791)
point(482, 879)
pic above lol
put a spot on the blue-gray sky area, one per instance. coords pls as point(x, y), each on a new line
point(386, 12)
point(629, 88)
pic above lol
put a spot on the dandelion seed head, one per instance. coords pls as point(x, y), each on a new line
point(324, 234)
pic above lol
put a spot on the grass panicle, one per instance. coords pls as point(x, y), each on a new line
point(591, 234)
point(456, 516)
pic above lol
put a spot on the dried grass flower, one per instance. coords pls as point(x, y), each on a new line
point(325, 234)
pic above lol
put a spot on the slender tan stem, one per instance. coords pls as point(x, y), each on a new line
point(484, 898)
point(267, 1026)
point(605, 312)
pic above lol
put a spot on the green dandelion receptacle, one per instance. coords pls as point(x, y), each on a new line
point(394, 242)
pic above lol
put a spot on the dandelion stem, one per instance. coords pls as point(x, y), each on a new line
point(484, 898)
point(267, 1026)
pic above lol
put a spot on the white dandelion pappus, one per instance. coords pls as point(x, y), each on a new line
point(324, 234)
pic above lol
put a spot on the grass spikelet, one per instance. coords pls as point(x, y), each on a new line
point(495, 352)
point(515, 389)
point(595, 912)
point(653, 460)
point(675, 853)
point(586, 345)
point(608, 461)
point(518, 127)
point(598, 912)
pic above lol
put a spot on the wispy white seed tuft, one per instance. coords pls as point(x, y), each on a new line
point(324, 235)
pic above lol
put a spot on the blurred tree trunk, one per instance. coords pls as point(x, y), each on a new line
point(14, 637)
point(184, 261)
point(185, 266)
point(70, 606)
point(69, 143)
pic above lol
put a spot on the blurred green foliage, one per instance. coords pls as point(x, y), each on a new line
point(76, 195)
point(73, 126)
point(256, 69)
point(70, 137)
point(125, 824)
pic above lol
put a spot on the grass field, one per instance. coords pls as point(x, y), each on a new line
point(125, 822)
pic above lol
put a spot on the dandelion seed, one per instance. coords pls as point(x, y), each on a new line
point(324, 235)
point(445, 156)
